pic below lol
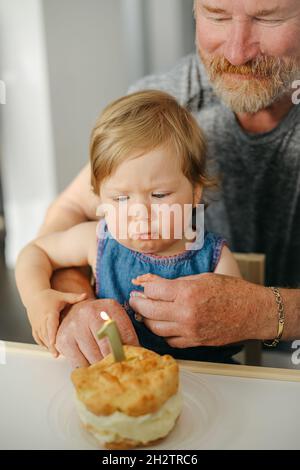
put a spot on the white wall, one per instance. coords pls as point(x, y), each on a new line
point(87, 69)
point(27, 157)
point(62, 61)
point(134, 38)
point(170, 32)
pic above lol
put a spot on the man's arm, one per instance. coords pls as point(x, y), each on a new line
point(76, 204)
point(214, 310)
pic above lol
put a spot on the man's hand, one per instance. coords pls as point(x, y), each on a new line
point(76, 337)
point(205, 310)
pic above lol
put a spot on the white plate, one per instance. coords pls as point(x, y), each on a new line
point(195, 427)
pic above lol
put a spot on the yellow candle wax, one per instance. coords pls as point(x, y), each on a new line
point(110, 330)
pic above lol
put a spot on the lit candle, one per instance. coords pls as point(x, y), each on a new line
point(110, 329)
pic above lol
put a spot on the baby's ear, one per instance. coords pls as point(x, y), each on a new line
point(197, 194)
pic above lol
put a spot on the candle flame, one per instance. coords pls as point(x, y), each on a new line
point(104, 316)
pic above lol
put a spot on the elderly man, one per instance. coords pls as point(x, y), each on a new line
point(240, 87)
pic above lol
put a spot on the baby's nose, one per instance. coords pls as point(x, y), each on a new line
point(140, 211)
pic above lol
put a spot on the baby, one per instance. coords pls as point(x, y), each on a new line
point(148, 161)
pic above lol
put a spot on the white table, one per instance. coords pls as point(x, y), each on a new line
point(226, 407)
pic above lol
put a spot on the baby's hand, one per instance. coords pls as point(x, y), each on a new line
point(140, 280)
point(44, 313)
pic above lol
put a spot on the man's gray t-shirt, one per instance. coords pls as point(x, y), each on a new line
point(258, 206)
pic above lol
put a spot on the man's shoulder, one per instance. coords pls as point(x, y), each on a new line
point(185, 81)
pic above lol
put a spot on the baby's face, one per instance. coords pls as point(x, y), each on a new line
point(137, 199)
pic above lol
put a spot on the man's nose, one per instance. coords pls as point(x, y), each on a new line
point(241, 45)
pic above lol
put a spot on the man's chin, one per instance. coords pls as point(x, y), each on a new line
point(243, 94)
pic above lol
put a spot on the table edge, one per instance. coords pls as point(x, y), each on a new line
point(210, 368)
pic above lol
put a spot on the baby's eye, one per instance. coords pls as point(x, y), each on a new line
point(121, 198)
point(160, 195)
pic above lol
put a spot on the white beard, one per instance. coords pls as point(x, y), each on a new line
point(250, 95)
point(247, 96)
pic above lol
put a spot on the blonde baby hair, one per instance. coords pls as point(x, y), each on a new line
point(141, 122)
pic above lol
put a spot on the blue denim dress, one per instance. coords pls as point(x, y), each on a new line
point(117, 265)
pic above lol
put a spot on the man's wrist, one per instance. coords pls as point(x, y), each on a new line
point(68, 307)
point(266, 314)
point(73, 280)
point(281, 318)
point(291, 298)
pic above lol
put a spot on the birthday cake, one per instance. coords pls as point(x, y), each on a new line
point(130, 403)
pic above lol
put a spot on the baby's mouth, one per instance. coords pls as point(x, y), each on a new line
point(145, 236)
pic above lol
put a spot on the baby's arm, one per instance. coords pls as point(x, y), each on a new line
point(35, 265)
point(227, 264)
